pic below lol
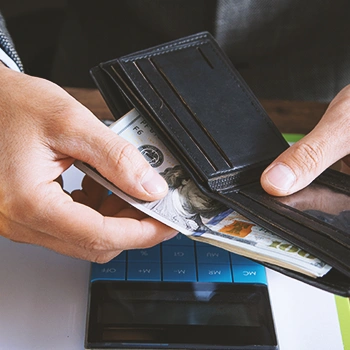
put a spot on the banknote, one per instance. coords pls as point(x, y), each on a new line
point(186, 209)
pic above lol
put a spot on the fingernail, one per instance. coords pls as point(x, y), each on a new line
point(153, 183)
point(281, 177)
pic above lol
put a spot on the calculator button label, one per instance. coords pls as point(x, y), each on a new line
point(214, 273)
point(150, 254)
point(212, 255)
point(110, 271)
point(141, 271)
point(179, 272)
point(249, 274)
point(178, 254)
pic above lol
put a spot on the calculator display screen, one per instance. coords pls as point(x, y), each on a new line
point(174, 314)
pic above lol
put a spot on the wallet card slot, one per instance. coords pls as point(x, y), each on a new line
point(205, 109)
point(205, 57)
point(187, 131)
point(194, 117)
point(213, 156)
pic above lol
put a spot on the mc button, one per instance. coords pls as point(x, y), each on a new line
point(249, 274)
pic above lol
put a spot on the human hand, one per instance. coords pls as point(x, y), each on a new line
point(327, 143)
point(43, 130)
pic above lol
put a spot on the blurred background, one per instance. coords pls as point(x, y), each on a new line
point(35, 26)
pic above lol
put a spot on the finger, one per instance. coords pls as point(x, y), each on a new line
point(305, 160)
point(112, 205)
point(87, 139)
point(21, 234)
point(131, 213)
point(91, 194)
point(59, 216)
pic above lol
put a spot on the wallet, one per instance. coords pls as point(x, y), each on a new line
point(216, 128)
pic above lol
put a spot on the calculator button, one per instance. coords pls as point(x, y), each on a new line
point(214, 273)
point(202, 244)
point(178, 254)
point(143, 271)
point(249, 274)
point(113, 270)
point(150, 254)
point(179, 272)
point(120, 257)
point(212, 255)
point(241, 260)
point(179, 239)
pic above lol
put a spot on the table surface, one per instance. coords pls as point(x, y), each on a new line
point(43, 295)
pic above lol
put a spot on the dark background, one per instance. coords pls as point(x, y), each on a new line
point(25, 22)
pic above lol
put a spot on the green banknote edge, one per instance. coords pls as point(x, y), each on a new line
point(343, 308)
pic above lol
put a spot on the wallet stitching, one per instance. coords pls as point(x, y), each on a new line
point(167, 48)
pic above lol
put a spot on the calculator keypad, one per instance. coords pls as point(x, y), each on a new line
point(180, 260)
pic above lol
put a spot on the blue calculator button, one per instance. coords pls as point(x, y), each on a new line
point(214, 273)
point(120, 257)
point(202, 244)
point(113, 270)
point(212, 255)
point(149, 254)
point(178, 254)
point(241, 260)
point(179, 239)
point(249, 274)
point(143, 271)
point(179, 272)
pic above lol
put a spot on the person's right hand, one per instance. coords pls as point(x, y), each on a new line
point(43, 130)
point(327, 143)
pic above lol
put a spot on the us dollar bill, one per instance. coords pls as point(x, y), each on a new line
point(186, 209)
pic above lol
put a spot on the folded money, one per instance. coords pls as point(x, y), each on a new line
point(186, 209)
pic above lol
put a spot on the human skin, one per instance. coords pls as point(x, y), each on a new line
point(42, 131)
point(327, 143)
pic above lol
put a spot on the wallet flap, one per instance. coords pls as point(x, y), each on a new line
point(195, 96)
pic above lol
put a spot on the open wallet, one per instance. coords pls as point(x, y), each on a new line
point(216, 128)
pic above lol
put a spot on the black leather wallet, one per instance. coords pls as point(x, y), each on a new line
point(213, 124)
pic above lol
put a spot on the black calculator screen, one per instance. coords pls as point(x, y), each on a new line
point(175, 314)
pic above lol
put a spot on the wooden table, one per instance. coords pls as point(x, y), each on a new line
point(289, 116)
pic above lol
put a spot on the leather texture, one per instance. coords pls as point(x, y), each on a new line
point(214, 125)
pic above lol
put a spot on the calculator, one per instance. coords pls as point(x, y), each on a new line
point(180, 294)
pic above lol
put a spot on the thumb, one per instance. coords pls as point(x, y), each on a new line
point(300, 164)
point(120, 162)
